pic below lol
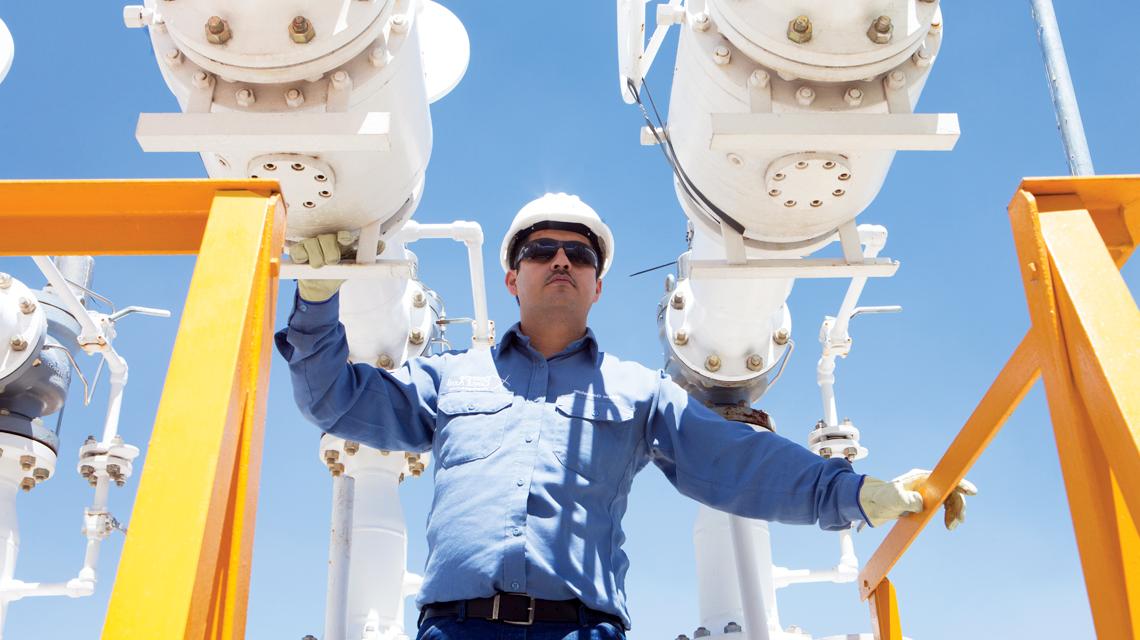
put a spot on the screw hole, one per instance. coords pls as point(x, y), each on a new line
point(829, 165)
point(838, 192)
point(297, 166)
point(308, 204)
point(269, 166)
point(325, 194)
point(254, 176)
point(789, 203)
point(774, 192)
point(320, 177)
point(802, 164)
point(845, 176)
point(817, 203)
point(778, 177)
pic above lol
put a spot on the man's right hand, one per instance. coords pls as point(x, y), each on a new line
point(317, 252)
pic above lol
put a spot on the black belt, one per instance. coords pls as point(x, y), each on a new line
point(518, 608)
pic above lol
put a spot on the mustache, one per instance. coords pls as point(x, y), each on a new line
point(560, 274)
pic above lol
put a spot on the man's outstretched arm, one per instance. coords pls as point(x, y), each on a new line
point(392, 410)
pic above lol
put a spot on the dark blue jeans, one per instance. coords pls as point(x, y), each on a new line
point(451, 628)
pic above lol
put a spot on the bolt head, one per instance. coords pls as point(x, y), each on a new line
point(853, 97)
point(759, 78)
point(825, 452)
point(40, 474)
point(378, 56)
point(681, 338)
point(301, 30)
point(416, 337)
point(351, 447)
point(701, 21)
point(218, 30)
point(331, 456)
point(27, 462)
point(896, 79)
point(294, 97)
point(881, 30)
point(755, 362)
point(721, 55)
point(419, 300)
point(399, 23)
point(86, 470)
point(201, 79)
point(5, 281)
point(27, 484)
point(678, 301)
point(712, 363)
point(805, 96)
point(18, 343)
point(245, 97)
point(781, 337)
point(799, 30)
point(850, 453)
point(385, 361)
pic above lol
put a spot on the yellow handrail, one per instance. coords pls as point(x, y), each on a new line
point(1072, 237)
point(184, 571)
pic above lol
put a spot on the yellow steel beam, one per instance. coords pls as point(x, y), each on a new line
point(1102, 325)
point(1003, 396)
point(177, 578)
point(885, 623)
point(1102, 538)
point(119, 217)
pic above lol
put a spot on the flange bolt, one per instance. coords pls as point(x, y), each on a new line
point(781, 337)
point(18, 343)
point(712, 363)
point(416, 337)
point(301, 30)
point(678, 301)
point(755, 362)
point(799, 30)
point(218, 30)
point(881, 30)
point(5, 281)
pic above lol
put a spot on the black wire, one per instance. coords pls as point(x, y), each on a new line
point(660, 266)
point(666, 144)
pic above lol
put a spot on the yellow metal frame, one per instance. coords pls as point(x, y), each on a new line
point(1072, 237)
point(184, 571)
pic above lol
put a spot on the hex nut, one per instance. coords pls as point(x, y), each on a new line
point(351, 447)
point(721, 55)
point(881, 30)
point(712, 363)
point(40, 474)
point(419, 300)
point(18, 343)
point(701, 21)
point(853, 97)
point(331, 456)
point(678, 301)
point(681, 338)
point(86, 470)
point(755, 362)
point(781, 337)
point(799, 30)
point(218, 30)
point(385, 361)
point(294, 98)
point(5, 281)
point(416, 337)
point(301, 30)
point(27, 462)
point(805, 96)
point(27, 484)
point(245, 98)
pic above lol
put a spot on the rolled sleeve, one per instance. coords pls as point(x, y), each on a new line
point(756, 474)
point(393, 410)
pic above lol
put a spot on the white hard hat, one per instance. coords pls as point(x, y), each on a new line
point(559, 211)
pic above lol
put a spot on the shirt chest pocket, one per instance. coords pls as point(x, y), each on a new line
point(594, 435)
point(470, 425)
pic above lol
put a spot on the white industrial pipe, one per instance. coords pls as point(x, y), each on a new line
point(340, 557)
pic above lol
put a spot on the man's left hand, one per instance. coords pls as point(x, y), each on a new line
point(885, 501)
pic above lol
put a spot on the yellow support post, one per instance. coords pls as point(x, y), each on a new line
point(184, 571)
point(885, 623)
point(1072, 236)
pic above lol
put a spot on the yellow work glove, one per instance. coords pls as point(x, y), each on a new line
point(886, 501)
point(317, 252)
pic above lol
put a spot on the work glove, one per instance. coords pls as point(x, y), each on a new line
point(886, 501)
point(317, 252)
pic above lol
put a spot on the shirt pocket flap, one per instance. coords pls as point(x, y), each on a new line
point(468, 402)
point(594, 408)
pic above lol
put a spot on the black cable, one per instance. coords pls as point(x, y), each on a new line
point(660, 266)
point(666, 144)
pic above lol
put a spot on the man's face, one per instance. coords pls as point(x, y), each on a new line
point(557, 286)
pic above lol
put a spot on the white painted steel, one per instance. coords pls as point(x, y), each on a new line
point(847, 131)
point(257, 133)
point(7, 50)
point(19, 325)
point(340, 556)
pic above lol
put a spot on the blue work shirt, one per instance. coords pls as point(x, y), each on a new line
point(535, 456)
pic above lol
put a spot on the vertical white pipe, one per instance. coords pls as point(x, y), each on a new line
point(1061, 89)
point(482, 335)
point(340, 558)
point(751, 591)
point(9, 538)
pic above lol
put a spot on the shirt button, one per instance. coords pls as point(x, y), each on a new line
point(470, 407)
point(515, 586)
point(516, 532)
point(519, 482)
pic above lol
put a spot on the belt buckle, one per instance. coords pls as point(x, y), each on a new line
point(530, 610)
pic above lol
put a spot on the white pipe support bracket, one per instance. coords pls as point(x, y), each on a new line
point(848, 131)
point(316, 133)
point(471, 235)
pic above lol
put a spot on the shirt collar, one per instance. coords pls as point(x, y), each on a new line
point(588, 341)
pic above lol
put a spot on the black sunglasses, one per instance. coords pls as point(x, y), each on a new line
point(544, 250)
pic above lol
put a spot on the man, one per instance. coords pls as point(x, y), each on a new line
point(537, 440)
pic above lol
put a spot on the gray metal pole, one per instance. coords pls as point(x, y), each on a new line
point(1061, 88)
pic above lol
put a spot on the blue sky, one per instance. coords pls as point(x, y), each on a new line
point(539, 111)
